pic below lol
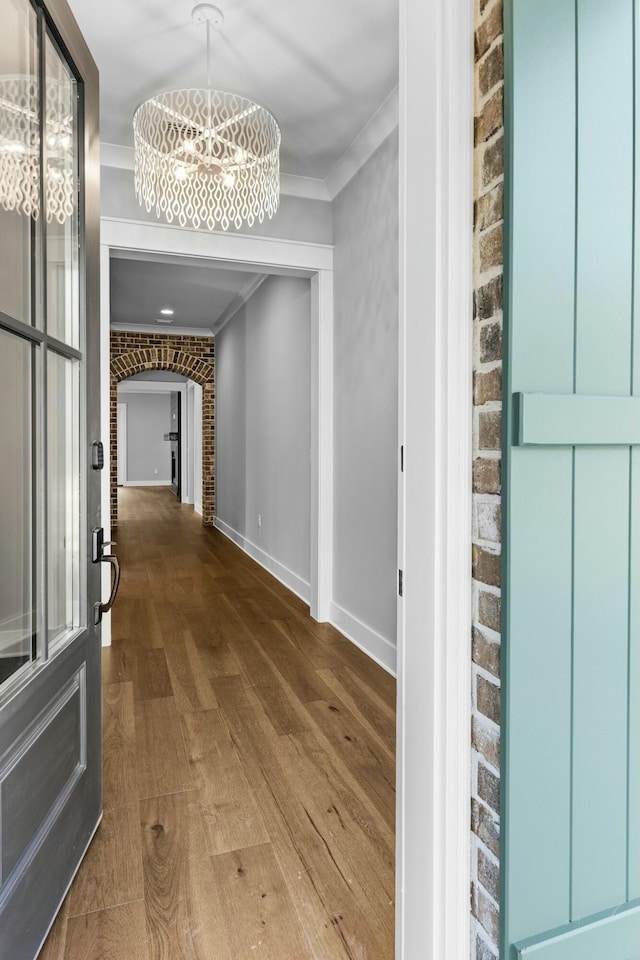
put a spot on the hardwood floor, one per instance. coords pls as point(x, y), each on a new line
point(248, 767)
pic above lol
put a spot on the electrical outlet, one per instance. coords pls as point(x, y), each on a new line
point(259, 519)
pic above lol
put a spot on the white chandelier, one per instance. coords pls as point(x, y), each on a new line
point(20, 148)
point(205, 157)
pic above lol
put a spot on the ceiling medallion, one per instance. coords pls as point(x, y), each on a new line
point(205, 157)
point(20, 148)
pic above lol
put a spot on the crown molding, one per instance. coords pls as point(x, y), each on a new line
point(306, 187)
point(158, 329)
point(381, 124)
point(376, 131)
point(236, 304)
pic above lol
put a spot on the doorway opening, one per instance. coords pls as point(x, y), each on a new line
point(159, 434)
point(141, 359)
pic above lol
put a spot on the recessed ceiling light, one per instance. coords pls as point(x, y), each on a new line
point(167, 312)
point(163, 320)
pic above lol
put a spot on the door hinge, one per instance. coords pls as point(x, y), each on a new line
point(400, 583)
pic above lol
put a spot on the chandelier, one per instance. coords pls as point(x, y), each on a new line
point(205, 157)
point(20, 148)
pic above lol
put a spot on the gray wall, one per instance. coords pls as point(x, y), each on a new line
point(366, 392)
point(296, 219)
point(263, 391)
point(148, 419)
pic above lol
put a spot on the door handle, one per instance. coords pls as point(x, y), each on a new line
point(101, 608)
point(98, 556)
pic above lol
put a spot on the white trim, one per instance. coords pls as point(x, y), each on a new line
point(115, 155)
point(151, 386)
point(308, 187)
point(155, 329)
point(365, 637)
point(270, 256)
point(197, 448)
point(262, 252)
point(122, 432)
point(434, 618)
point(105, 432)
point(295, 583)
point(239, 301)
point(376, 131)
point(146, 483)
point(321, 492)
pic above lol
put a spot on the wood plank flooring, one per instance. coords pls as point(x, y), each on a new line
point(248, 767)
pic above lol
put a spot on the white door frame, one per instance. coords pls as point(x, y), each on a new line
point(434, 616)
point(265, 255)
point(121, 434)
point(158, 387)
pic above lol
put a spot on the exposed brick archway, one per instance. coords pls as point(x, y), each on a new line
point(192, 357)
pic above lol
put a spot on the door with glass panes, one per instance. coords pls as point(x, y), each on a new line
point(50, 778)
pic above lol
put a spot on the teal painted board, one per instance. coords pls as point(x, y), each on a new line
point(611, 935)
point(633, 853)
point(600, 680)
point(538, 719)
point(571, 473)
point(544, 146)
point(571, 420)
point(605, 196)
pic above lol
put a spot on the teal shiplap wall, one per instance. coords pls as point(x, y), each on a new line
point(571, 567)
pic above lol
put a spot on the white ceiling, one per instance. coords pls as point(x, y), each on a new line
point(199, 293)
point(324, 69)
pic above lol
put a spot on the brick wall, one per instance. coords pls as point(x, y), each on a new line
point(193, 357)
point(487, 442)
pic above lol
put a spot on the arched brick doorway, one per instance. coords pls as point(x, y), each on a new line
point(125, 365)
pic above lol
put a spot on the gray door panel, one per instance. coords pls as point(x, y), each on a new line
point(50, 713)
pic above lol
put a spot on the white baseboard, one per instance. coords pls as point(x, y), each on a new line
point(147, 483)
point(373, 644)
point(197, 508)
point(290, 579)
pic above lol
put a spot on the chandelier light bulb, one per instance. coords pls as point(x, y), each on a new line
point(240, 155)
point(52, 141)
point(181, 173)
point(229, 180)
point(189, 146)
point(65, 141)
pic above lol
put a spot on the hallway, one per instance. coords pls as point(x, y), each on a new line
point(249, 801)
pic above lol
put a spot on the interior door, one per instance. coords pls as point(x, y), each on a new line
point(571, 677)
point(50, 760)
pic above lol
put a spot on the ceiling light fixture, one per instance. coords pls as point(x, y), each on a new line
point(163, 320)
point(166, 312)
point(205, 157)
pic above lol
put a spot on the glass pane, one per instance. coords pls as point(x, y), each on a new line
point(61, 184)
point(63, 498)
point(19, 158)
point(16, 506)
